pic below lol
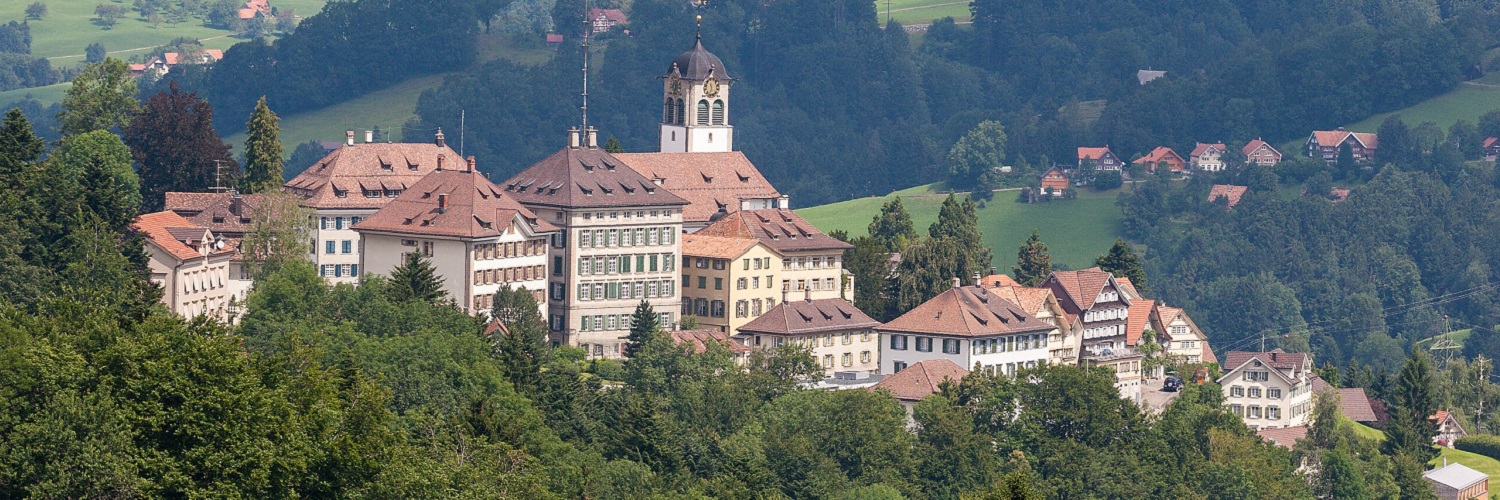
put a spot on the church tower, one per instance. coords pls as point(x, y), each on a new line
point(695, 110)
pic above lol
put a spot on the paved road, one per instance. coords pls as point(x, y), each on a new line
point(1153, 398)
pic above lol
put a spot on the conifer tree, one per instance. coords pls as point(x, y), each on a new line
point(263, 150)
point(19, 147)
point(643, 324)
point(893, 227)
point(613, 146)
point(416, 279)
point(522, 350)
point(958, 224)
point(1033, 263)
point(1124, 263)
point(1411, 402)
point(102, 164)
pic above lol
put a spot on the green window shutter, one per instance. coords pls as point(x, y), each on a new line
point(612, 291)
point(653, 263)
point(583, 291)
point(625, 264)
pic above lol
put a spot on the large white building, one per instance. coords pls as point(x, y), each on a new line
point(189, 263)
point(619, 244)
point(1269, 390)
point(478, 238)
point(353, 182)
point(969, 326)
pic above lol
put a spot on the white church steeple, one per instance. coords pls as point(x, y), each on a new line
point(695, 109)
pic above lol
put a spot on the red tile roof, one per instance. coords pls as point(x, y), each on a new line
point(1165, 315)
point(968, 311)
point(610, 14)
point(1031, 300)
point(1251, 146)
point(495, 325)
point(340, 179)
point(1285, 437)
point(1333, 138)
point(1127, 286)
point(715, 247)
point(700, 339)
point(1355, 404)
point(1371, 141)
point(1276, 358)
point(475, 208)
point(1080, 288)
point(172, 233)
point(779, 228)
point(585, 177)
point(1161, 153)
point(1092, 153)
point(797, 317)
point(1491, 141)
point(921, 379)
point(1137, 319)
point(1338, 194)
point(997, 280)
point(226, 214)
point(1228, 192)
point(1208, 354)
point(709, 181)
point(1202, 147)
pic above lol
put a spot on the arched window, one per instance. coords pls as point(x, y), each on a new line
point(703, 112)
point(681, 112)
point(718, 112)
point(667, 112)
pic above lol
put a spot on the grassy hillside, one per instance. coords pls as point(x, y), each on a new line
point(389, 108)
point(1474, 461)
point(1467, 102)
point(69, 27)
point(1076, 231)
point(46, 95)
point(923, 11)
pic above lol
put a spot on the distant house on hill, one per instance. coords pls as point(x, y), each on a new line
point(1208, 156)
point(606, 19)
point(1449, 430)
point(163, 64)
point(1054, 181)
point(1102, 158)
point(1325, 144)
point(251, 9)
point(1232, 194)
point(1145, 76)
point(554, 40)
point(1162, 156)
point(1492, 148)
point(1261, 153)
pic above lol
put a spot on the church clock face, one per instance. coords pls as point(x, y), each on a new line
point(676, 85)
point(711, 86)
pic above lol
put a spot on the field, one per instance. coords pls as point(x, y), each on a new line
point(389, 108)
point(46, 95)
point(1075, 231)
point(922, 11)
point(1474, 461)
point(69, 27)
point(1467, 102)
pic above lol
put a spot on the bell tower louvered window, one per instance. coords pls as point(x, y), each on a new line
point(703, 112)
point(718, 112)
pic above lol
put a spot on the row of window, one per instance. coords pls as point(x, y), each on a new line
point(338, 222)
point(376, 193)
point(846, 359)
point(813, 284)
point(752, 308)
point(639, 214)
point(687, 281)
point(347, 246)
point(1113, 313)
point(487, 301)
point(620, 264)
point(1257, 376)
point(202, 280)
point(1009, 369)
point(675, 112)
point(491, 251)
point(615, 322)
point(805, 263)
point(752, 283)
point(509, 274)
point(339, 270)
point(758, 262)
point(924, 344)
point(702, 263)
point(1254, 411)
point(625, 290)
point(1010, 343)
point(628, 237)
point(1254, 392)
point(1103, 331)
point(703, 308)
point(811, 341)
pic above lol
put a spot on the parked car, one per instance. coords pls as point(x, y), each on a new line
point(1172, 384)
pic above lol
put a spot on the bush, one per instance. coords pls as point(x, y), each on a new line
point(1482, 444)
point(1105, 181)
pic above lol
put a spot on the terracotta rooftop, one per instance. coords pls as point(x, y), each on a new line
point(495, 325)
point(585, 177)
point(1332, 138)
point(1159, 154)
point(1080, 288)
point(1202, 147)
point(610, 14)
point(1285, 437)
point(1137, 319)
point(968, 311)
point(715, 247)
point(779, 228)
point(1208, 354)
point(996, 280)
point(226, 214)
point(1028, 299)
point(1251, 146)
point(458, 203)
point(1355, 404)
point(1092, 153)
point(921, 379)
point(1276, 358)
point(797, 317)
point(700, 339)
point(1491, 141)
point(1338, 194)
point(709, 181)
point(1228, 192)
point(344, 177)
point(173, 234)
point(1127, 286)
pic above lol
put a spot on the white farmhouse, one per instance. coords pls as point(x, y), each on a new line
point(1270, 390)
point(969, 326)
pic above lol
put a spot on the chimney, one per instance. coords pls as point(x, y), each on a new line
point(369, 136)
point(786, 295)
point(471, 164)
point(442, 203)
point(807, 294)
point(994, 271)
point(349, 137)
point(957, 282)
point(573, 137)
point(438, 139)
point(977, 278)
point(593, 138)
point(235, 203)
point(440, 155)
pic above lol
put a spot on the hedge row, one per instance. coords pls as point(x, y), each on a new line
point(1482, 444)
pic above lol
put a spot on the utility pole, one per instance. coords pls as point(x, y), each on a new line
point(1483, 370)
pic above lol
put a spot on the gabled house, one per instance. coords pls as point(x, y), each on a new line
point(229, 215)
point(1100, 158)
point(1268, 390)
point(253, 8)
point(1491, 148)
point(1054, 181)
point(1231, 194)
point(1449, 430)
point(606, 19)
point(1099, 309)
point(189, 262)
point(163, 64)
point(1042, 304)
point(969, 326)
point(1209, 157)
point(840, 336)
point(1163, 157)
point(1325, 144)
point(809, 259)
point(701, 338)
point(1261, 153)
point(1179, 336)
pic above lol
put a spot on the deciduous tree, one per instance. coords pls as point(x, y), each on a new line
point(279, 233)
point(102, 97)
point(176, 147)
point(980, 151)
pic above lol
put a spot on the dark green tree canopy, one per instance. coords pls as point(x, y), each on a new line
point(263, 151)
point(176, 147)
point(1123, 262)
point(416, 280)
point(1033, 263)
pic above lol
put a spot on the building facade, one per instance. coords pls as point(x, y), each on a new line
point(695, 110)
point(1180, 337)
point(840, 336)
point(1162, 157)
point(352, 183)
point(1100, 158)
point(1100, 309)
point(189, 263)
point(1261, 153)
point(810, 260)
point(1208, 157)
point(1062, 344)
point(727, 282)
point(619, 243)
point(969, 326)
point(478, 238)
point(229, 215)
point(1325, 144)
point(1269, 390)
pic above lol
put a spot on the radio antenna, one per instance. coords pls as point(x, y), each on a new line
point(588, 28)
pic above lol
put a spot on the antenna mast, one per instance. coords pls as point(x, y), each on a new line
point(587, 29)
point(218, 177)
point(461, 114)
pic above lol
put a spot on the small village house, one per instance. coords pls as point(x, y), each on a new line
point(605, 20)
point(810, 260)
point(1268, 389)
point(1055, 182)
point(1325, 144)
point(1040, 302)
point(1162, 157)
point(969, 326)
point(1261, 153)
point(1099, 159)
point(1208, 157)
point(1098, 306)
point(189, 263)
point(840, 336)
point(1491, 148)
point(920, 380)
point(1448, 428)
point(1231, 194)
